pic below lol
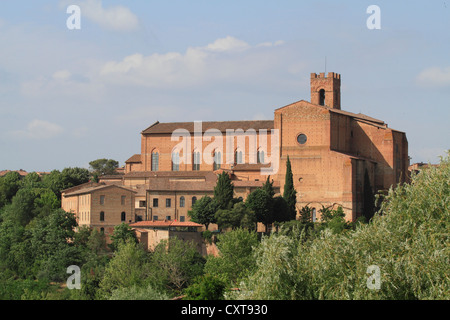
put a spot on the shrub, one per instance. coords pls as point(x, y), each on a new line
point(408, 242)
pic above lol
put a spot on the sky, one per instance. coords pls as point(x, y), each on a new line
point(72, 95)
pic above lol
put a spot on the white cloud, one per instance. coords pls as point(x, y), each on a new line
point(227, 59)
point(117, 18)
point(228, 44)
point(61, 75)
point(37, 130)
point(434, 76)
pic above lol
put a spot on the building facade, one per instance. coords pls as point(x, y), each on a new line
point(337, 157)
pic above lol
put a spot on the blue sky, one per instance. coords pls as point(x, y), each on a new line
point(68, 97)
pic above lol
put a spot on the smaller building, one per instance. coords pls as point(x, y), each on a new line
point(151, 233)
point(101, 206)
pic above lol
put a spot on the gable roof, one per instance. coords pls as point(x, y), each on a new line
point(222, 126)
point(96, 188)
point(358, 116)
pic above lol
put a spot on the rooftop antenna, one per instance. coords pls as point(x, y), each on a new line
point(325, 64)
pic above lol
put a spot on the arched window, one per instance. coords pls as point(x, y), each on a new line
point(102, 216)
point(182, 202)
point(175, 161)
point(123, 216)
point(322, 97)
point(217, 160)
point(102, 230)
point(238, 157)
point(260, 156)
point(155, 161)
point(194, 200)
point(196, 161)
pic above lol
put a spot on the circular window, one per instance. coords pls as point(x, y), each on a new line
point(301, 138)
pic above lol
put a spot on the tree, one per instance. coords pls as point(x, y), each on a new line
point(177, 263)
point(52, 245)
point(290, 194)
point(306, 214)
point(9, 185)
point(408, 243)
point(203, 211)
point(207, 287)
point(122, 233)
point(224, 191)
point(101, 167)
point(238, 216)
point(268, 187)
point(129, 267)
point(67, 178)
point(22, 208)
point(235, 260)
point(281, 212)
point(261, 203)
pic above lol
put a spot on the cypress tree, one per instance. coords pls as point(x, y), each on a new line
point(223, 191)
point(289, 194)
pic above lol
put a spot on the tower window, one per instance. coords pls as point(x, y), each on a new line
point(322, 97)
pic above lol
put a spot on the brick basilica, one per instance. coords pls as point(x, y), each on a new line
point(335, 156)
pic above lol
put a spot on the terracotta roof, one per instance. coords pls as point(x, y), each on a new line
point(96, 188)
point(207, 175)
point(89, 184)
point(347, 113)
point(222, 126)
point(134, 159)
point(164, 223)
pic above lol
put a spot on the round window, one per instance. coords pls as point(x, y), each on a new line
point(301, 138)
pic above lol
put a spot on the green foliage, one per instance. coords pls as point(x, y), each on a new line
point(281, 210)
point(290, 194)
point(175, 264)
point(238, 217)
point(9, 185)
point(409, 243)
point(122, 233)
point(129, 267)
point(207, 236)
point(18, 289)
point(203, 211)
point(261, 203)
point(67, 178)
point(104, 166)
point(52, 245)
point(223, 191)
point(206, 287)
point(235, 260)
point(334, 219)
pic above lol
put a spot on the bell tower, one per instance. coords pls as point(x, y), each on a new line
point(326, 90)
